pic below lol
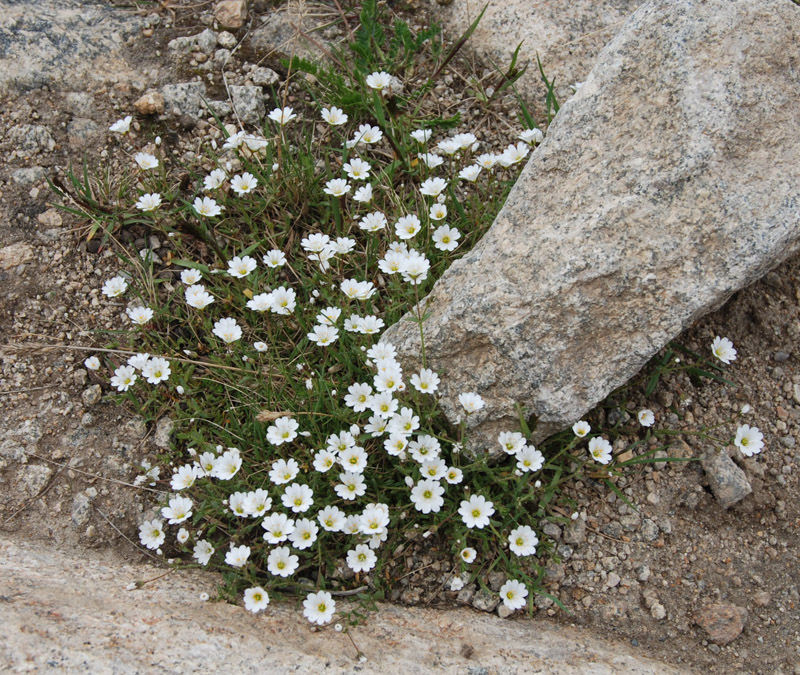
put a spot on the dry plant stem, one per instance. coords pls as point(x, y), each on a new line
point(94, 475)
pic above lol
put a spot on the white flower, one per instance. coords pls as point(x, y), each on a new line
point(115, 287)
point(257, 502)
point(206, 206)
point(237, 556)
point(337, 187)
point(121, 126)
point(282, 115)
point(465, 141)
point(383, 404)
point(156, 370)
point(749, 440)
point(529, 459)
point(284, 470)
point(197, 296)
point(241, 267)
point(361, 559)
point(261, 302)
point(183, 536)
point(151, 534)
point(213, 180)
point(522, 540)
point(433, 187)
point(445, 238)
point(427, 496)
point(298, 497)
point(329, 316)
point(424, 448)
point(372, 222)
point(426, 381)
point(723, 349)
point(324, 460)
point(407, 226)
point(646, 417)
point(331, 518)
point(255, 599)
point(149, 201)
point(179, 510)
point(278, 528)
point(191, 276)
point(283, 431)
point(514, 154)
point(363, 194)
point(358, 396)
point(367, 134)
point(456, 584)
point(284, 300)
point(334, 116)
point(374, 519)
point(244, 183)
point(352, 485)
point(274, 258)
point(319, 607)
point(145, 161)
point(323, 335)
point(422, 135)
point(449, 146)
point(471, 402)
point(513, 594)
point(454, 475)
point(430, 159)
point(470, 173)
point(511, 442)
point(123, 378)
point(405, 422)
point(531, 136)
point(600, 450)
point(468, 554)
point(203, 551)
point(379, 81)
point(581, 428)
point(438, 211)
point(354, 459)
point(476, 511)
point(357, 169)
point(281, 562)
point(304, 534)
point(261, 346)
point(487, 160)
point(227, 465)
point(92, 363)
point(227, 330)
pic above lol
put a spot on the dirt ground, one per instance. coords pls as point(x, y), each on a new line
point(68, 456)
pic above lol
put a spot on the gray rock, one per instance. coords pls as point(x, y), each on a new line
point(220, 108)
point(185, 98)
point(248, 102)
point(657, 611)
point(559, 304)
point(80, 103)
point(81, 510)
point(282, 33)
point(226, 39)
point(264, 77)
point(485, 600)
point(726, 480)
point(566, 35)
point(30, 139)
point(575, 532)
point(91, 395)
point(34, 479)
point(551, 530)
point(164, 429)
point(66, 43)
point(649, 530)
point(204, 42)
point(28, 175)
point(81, 131)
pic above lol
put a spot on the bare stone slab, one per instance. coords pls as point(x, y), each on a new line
point(567, 36)
point(63, 42)
point(669, 181)
point(76, 613)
